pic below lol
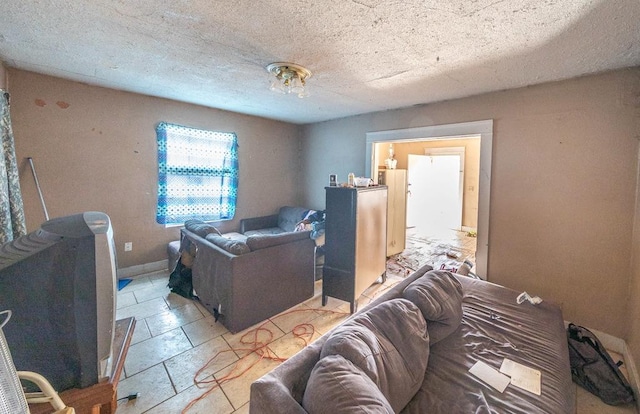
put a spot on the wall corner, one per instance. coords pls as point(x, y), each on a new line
point(4, 76)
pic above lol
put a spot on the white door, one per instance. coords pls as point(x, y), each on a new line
point(435, 191)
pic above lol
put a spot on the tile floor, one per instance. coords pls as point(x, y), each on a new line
point(175, 337)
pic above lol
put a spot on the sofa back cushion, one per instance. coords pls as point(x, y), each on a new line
point(288, 217)
point(438, 294)
point(200, 228)
point(232, 246)
point(336, 385)
point(390, 344)
point(263, 241)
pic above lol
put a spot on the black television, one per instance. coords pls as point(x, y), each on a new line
point(60, 284)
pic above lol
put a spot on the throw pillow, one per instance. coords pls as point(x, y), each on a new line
point(438, 294)
point(200, 228)
point(289, 216)
point(390, 343)
point(236, 247)
point(336, 385)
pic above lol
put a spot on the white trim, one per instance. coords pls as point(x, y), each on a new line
point(136, 270)
point(634, 379)
point(462, 130)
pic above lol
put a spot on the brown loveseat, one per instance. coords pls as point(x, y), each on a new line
point(244, 280)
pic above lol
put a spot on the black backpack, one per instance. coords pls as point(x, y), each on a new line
point(593, 369)
point(180, 280)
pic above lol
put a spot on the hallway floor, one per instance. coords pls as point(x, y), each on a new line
point(446, 249)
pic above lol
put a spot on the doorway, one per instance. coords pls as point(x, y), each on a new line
point(481, 129)
point(435, 196)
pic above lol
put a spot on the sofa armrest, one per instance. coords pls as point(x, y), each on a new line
point(281, 391)
point(256, 223)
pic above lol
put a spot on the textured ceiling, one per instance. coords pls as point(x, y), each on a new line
point(365, 55)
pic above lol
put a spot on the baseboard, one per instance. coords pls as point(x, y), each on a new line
point(634, 379)
point(137, 270)
point(619, 346)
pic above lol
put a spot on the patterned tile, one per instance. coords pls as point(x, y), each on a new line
point(143, 310)
point(210, 357)
point(245, 341)
point(203, 330)
point(150, 291)
point(291, 318)
point(148, 353)
point(141, 332)
point(287, 346)
point(153, 385)
point(207, 403)
point(173, 318)
point(248, 369)
point(125, 299)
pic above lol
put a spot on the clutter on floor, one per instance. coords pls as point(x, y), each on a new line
point(454, 252)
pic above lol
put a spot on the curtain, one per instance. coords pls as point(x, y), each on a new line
point(12, 222)
point(197, 174)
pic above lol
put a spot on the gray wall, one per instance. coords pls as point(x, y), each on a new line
point(3, 76)
point(633, 314)
point(95, 149)
point(564, 179)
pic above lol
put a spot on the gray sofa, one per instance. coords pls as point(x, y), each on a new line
point(243, 280)
point(411, 350)
point(287, 220)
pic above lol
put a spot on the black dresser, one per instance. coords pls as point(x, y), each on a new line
point(355, 241)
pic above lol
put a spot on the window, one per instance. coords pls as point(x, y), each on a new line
point(197, 174)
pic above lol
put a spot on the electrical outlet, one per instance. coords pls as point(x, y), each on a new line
point(128, 246)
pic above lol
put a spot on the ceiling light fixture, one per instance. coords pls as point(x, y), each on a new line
point(289, 78)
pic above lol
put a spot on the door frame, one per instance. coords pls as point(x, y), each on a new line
point(484, 129)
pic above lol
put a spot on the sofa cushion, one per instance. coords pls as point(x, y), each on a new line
point(235, 236)
point(438, 294)
point(336, 385)
point(200, 228)
point(263, 241)
point(289, 217)
point(265, 231)
point(390, 343)
point(232, 246)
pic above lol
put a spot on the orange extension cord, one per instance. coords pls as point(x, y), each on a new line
point(303, 331)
